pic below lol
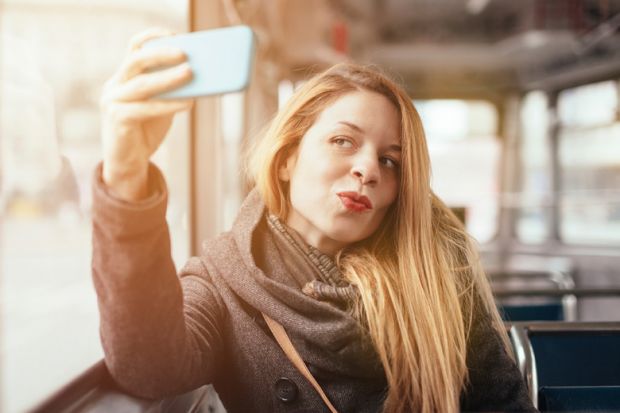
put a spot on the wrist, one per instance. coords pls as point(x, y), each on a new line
point(127, 183)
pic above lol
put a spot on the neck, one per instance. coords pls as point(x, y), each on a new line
point(313, 236)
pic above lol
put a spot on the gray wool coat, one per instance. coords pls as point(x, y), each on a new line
point(165, 333)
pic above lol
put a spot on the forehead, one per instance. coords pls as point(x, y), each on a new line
point(371, 112)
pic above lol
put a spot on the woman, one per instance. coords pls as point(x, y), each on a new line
point(342, 242)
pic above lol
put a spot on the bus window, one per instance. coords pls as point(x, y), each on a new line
point(54, 58)
point(465, 150)
point(589, 157)
point(232, 130)
point(535, 170)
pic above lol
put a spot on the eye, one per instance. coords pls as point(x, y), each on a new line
point(342, 142)
point(389, 162)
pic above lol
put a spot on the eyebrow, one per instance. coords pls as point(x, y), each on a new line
point(351, 125)
point(356, 128)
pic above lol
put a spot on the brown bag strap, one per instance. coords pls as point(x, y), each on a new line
point(285, 342)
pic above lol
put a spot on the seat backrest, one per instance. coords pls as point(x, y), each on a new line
point(576, 358)
point(581, 398)
point(533, 312)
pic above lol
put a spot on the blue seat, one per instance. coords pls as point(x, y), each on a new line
point(569, 366)
point(576, 358)
point(579, 399)
point(532, 312)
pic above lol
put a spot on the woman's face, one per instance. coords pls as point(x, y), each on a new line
point(344, 175)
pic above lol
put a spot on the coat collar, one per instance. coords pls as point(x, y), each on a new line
point(247, 220)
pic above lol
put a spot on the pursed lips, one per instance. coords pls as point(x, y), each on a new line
point(355, 201)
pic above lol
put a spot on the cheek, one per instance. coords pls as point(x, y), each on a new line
point(391, 192)
point(317, 171)
point(308, 183)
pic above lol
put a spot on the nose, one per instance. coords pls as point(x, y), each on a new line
point(366, 169)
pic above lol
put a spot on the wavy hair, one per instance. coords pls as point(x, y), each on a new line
point(418, 275)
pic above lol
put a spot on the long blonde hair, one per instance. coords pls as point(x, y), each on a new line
point(418, 275)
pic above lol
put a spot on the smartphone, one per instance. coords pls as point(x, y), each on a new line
point(221, 60)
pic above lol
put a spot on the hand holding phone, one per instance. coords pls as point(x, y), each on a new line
point(133, 121)
point(220, 60)
point(157, 79)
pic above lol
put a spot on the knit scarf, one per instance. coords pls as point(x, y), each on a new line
point(316, 273)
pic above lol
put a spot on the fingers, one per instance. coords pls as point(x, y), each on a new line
point(143, 60)
point(150, 109)
point(139, 39)
point(147, 85)
point(134, 82)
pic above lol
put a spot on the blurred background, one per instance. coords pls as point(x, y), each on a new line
point(520, 101)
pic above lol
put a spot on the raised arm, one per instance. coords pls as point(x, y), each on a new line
point(161, 333)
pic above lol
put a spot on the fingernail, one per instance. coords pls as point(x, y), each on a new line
point(185, 68)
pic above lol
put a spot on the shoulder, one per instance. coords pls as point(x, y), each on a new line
point(202, 266)
point(201, 287)
point(494, 380)
point(223, 243)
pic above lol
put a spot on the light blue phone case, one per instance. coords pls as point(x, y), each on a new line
point(221, 60)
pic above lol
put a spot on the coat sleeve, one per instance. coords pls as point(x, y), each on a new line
point(161, 333)
point(495, 382)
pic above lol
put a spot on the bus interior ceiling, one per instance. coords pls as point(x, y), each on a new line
point(464, 48)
